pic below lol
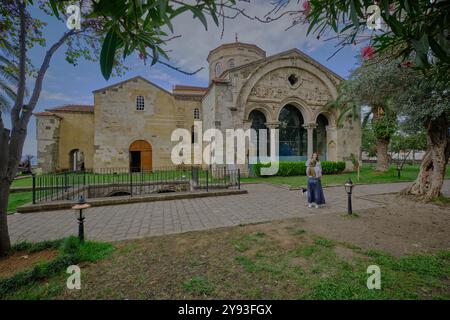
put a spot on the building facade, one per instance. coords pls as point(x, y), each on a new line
point(131, 122)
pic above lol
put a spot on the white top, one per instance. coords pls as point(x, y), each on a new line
point(317, 168)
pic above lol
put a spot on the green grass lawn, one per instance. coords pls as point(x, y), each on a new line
point(18, 199)
point(367, 176)
point(23, 182)
point(265, 261)
point(47, 278)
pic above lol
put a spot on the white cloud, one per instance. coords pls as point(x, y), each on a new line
point(65, 98)
point(58, 96)
point(191, 50)
point(162, 77)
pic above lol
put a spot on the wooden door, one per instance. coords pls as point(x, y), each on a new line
point(145, 150)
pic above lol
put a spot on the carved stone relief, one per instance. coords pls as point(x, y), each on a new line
point(276, 86)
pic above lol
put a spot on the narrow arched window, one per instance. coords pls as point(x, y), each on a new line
point(231, 63)
point(218, 69)
point(140, 103)
point(196, 114)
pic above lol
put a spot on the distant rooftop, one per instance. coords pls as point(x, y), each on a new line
point(73, 108)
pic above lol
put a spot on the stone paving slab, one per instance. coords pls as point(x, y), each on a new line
point(263, 202)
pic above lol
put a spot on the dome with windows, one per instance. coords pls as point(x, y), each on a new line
point(231, 55)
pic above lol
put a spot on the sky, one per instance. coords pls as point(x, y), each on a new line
point(68, 84)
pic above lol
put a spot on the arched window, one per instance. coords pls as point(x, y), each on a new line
point(196, 114)
point(293, 137)
point(258, 121)
point(140, 103)
point(218, 69)
point(231, 63)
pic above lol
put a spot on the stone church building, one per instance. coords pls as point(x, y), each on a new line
point(131, 122)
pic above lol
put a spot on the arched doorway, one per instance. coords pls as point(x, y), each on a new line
point(293, 136)
point(76, 160)
point(320, 136)
point(140, 156)
point(258, 122)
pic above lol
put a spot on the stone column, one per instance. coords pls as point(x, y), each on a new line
point(331, 142)
point(310, 130)
point(273, 125)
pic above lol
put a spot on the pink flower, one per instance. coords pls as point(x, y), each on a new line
point(141, 56)
point(367, 52)
point(392, 7)
point(407, 63)
point(306, 7)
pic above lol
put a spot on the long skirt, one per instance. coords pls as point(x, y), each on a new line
point(315, 191)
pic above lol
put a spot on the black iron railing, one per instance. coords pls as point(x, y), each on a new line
point(108, 182)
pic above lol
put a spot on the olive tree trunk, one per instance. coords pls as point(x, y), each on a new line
point(428, 183)
point(4, 189)
point(5, 243)
point(382, 155)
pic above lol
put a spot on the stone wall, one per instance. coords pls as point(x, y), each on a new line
point(265, 86)
point(118, 123)
point(77, 132)
point(47, 134)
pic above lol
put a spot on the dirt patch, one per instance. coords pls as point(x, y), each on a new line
point(21, 261)
point(400, 227)
point(346, 254)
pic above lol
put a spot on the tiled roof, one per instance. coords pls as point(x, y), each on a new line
point(46, 113)
point(189, 88)
point(73, 108)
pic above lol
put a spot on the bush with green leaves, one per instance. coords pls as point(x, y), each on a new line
point(298, 168)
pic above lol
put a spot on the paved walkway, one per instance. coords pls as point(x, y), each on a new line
point(263, 202)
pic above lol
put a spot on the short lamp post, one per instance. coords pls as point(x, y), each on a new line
point(79, 214)
point(349, 190)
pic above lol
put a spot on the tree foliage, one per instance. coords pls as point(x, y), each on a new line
point(139, 26)
point(411, 27)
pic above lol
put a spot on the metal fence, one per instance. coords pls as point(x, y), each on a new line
point(108, 182)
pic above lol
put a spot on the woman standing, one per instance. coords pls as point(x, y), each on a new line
point(314, 172)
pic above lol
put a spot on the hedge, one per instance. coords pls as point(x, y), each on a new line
point(298, 168)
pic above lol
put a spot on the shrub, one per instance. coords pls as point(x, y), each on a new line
point(299, 168)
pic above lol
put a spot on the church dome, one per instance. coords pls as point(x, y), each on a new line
point(230, 55)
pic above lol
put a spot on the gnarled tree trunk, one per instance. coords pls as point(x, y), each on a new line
point(428, 183)
point(4, 189)
point(5, 243)
point(382, 155)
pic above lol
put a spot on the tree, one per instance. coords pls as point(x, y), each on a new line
point(427, 102)
point(110, 31)
point(372, 84)
point(369, 143)
point(407, 27)
point(415, 30)
point(8, 74)
point(404, 144)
